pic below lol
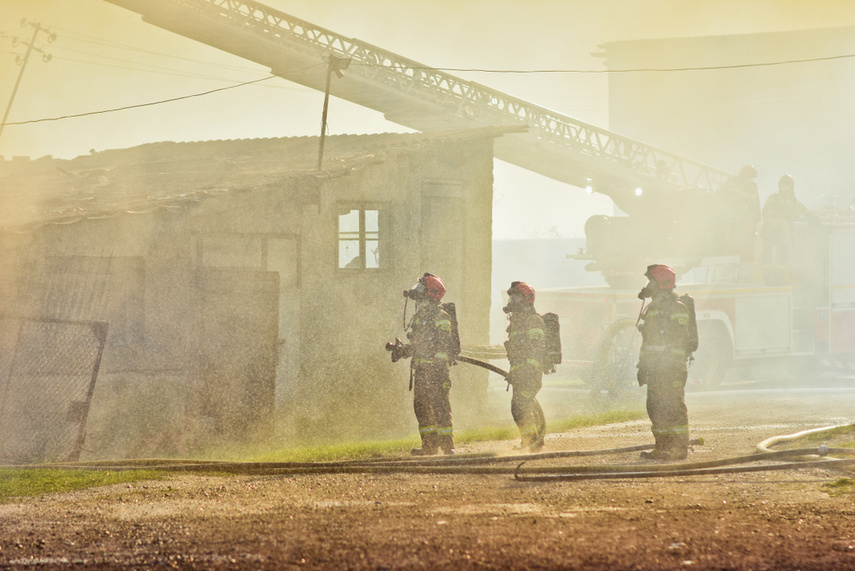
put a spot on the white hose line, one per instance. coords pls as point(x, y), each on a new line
point(766, 445)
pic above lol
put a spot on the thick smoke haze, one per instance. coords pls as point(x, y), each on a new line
point(105, 57)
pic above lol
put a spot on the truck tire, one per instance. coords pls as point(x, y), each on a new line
point(617, 357)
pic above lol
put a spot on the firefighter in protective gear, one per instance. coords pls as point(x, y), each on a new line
point(430, 345)
point(780, 211)
point(669, 337)
point(526, 350)
point(739, 203)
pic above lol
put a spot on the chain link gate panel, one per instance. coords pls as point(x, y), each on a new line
point(48, 370)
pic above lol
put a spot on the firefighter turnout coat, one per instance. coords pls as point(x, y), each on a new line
point(669, 336)
point(431, 340)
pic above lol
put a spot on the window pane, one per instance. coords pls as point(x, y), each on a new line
point(349, 222)
point(353, 239)
point(348, 254)
point(371, 224)
point(372, 249)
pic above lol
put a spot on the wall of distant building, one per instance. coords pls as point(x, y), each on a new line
point(792, 118)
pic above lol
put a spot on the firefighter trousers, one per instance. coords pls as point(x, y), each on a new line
point(666, 407)
point(527, 413)
point(432, 406)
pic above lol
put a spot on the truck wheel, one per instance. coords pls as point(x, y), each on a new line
point(712, 359)
point(617, 357)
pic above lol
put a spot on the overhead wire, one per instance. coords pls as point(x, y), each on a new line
point(634, 70)
point(151, 103)
point(92, 39)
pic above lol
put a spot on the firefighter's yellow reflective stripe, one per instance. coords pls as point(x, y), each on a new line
point(525, 431)
point(443, 356)
point(535, 333)
point(420, 361)
point(427, 429)
point(513, 334)
point(681, 318)
point(526, 394)
point(528, 430)
point(444, 430)
point(671, 430)
point(444, 324)
point(534, 362)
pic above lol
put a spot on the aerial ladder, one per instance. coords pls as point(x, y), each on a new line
point(427, 99)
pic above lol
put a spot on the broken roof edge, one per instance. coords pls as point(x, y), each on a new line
point(81, 200)
point(384, 140)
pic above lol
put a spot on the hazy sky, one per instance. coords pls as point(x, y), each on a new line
point(105, 57)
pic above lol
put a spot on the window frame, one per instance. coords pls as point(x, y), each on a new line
point(363, 236)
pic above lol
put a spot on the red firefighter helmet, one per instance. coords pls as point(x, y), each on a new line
point(435, 287)
point(664, 276)
point(523, 289)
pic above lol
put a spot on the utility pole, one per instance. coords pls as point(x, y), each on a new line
point(37, 27)
point(335, 64)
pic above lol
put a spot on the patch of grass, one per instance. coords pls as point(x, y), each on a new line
point(24, 482)
point(378, 449)
point(840, 486)
point(847, 430)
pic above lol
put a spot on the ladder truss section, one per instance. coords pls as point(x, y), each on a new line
point(424, 98)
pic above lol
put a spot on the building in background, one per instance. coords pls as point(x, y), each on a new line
point(785, 117)
point(243, 289)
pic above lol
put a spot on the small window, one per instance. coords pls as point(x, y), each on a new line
point(359, 239)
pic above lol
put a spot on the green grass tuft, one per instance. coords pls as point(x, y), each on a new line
point(23, 482)
point(391, 448)
point(840, 486)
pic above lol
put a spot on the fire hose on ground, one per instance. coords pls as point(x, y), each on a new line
point(479, 463)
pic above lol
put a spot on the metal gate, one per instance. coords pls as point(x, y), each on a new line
point(48, 369)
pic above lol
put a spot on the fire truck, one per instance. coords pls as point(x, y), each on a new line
point(806, 320)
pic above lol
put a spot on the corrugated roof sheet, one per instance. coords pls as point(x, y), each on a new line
point(171, 174)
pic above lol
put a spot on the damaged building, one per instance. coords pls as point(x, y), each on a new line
point(172, 296)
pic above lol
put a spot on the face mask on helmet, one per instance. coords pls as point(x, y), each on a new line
point(417, 293)
point(648, 290)
point(429, 286)
point(520, 296)
point(516, 302)
point(661, 278)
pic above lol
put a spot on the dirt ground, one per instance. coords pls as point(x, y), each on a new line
point(765, 520)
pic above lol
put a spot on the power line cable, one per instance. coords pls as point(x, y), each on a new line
point(607, 71)
point(138, 105)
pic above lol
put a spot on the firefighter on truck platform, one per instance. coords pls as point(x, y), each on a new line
point(431, 350)
point(526, 350)
point(669, 336)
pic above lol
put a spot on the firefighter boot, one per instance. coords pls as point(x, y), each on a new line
point(429, 445)
point(540, 431)
point(658, 452)
point(446, 443)
point(679, 447)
